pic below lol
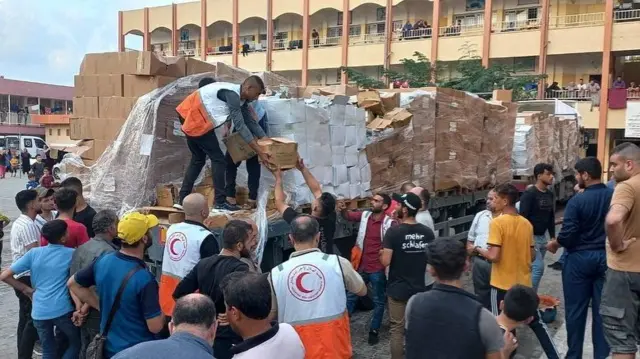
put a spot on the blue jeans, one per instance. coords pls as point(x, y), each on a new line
point(48, 340)
point(583, 277)
point(379, 283)
point(563, 257)
point(537, 267)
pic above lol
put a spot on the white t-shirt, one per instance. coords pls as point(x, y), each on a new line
point(285, 344)
point(479, 231)
point(424, 218)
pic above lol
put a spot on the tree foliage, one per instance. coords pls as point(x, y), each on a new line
point(469, 75)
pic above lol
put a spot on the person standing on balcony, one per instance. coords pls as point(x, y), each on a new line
point(315, 36)
point(619, 83)
point(594, 93)
point(208, 108)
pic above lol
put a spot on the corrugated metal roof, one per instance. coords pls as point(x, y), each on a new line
point(35, 89)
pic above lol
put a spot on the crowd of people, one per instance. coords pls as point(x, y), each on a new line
point(85, 291)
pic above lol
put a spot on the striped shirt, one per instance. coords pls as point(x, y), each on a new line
point(41, 221)
point(24, 232)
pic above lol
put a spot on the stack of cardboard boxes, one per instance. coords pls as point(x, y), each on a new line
point(108, 86)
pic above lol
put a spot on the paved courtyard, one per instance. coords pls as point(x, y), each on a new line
point(529, 347)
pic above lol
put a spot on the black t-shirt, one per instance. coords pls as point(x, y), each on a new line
point(86, 217)
point(409, 261)
point(327, 228)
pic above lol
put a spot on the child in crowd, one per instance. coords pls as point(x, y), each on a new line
point(32, 184)
point(47, 179)
point(15, 165)
point(518, 307)
point(4, 221)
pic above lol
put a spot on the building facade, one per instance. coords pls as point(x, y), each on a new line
point(568, 40)
point(19, 100)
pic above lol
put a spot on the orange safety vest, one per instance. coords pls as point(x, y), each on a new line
point(203, 111)
point(311, 297)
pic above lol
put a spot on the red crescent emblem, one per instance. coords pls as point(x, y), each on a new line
point(299, 283)
point(314, 284)
point(177, 246)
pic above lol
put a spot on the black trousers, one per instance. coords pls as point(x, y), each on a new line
point(202, 147)
point(26, 334)
point(253, 170)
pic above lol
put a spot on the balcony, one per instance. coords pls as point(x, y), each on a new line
point(325, 52)
point(516, 38)
point(12, 118)
point(626, 28)
point(567, 34)
point(457, 40)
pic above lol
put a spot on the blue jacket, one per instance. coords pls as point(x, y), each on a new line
point(583, 222)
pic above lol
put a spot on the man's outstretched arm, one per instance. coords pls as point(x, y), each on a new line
point(311, 181)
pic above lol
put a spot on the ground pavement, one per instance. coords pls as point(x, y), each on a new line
point(529, 348)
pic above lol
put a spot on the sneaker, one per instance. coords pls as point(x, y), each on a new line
point(556, 266)
point(373, 337)
point(227, 207)
point(178, 206)
point(37, 349)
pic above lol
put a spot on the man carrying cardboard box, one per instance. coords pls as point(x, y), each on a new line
point(208, 108)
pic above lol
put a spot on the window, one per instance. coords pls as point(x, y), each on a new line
point(381, 14)
point(184, 35)
point(472, 5)
point(59, 132)
point(340, 18)
point(50, 132)
point(524, 64)
point(355, 30)
point(68, 132)
point(40, 143)
point(373, 29)
point(334, 32)
point(532, 13)
point(27, 142)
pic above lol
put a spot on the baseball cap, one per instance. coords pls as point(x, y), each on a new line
point(133, 226)
point(44, 192)
point(408, 200)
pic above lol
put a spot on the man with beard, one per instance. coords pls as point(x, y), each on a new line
point(138, 318)
point(187, 242)
point(365, 256)
point(404, 254)
point(478, 238)
point(537, 204)
point(620, 296)
point(206, 277)
point(583, 238)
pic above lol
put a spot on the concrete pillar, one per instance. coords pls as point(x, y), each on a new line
point(604, 86)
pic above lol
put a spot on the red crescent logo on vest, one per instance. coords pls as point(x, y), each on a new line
point(177, 246)
point(306, 282)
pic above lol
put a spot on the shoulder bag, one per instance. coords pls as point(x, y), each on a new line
point(95, 349)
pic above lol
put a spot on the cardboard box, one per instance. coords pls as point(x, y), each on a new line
point(238, 149)
point(115, 107)
point(136, 86)
point(195, 66)
point(503, 95)
point(98, 85)
point(165, 194)
point(83, 128)
point(390, 100)
point(370, 101)
point(283, 151)
point(86, 106)
point(399, 117)
point(132, 63)
point(96, 148)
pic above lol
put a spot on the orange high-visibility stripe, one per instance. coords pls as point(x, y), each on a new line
point(168, 285)
point(328, 340)
point(196, 120)
point(356, 257)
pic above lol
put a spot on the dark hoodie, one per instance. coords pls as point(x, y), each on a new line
point(206, 277)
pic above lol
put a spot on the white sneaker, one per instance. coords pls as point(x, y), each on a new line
point(178, 206)
point(37, 349)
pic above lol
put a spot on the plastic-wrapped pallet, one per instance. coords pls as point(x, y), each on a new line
point(523, 157)
point(497, 144)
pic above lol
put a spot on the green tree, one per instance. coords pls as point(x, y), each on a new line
point(470, 75)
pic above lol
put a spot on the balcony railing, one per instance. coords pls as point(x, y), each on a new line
point(517, 25)
point(399, 35)
point(633, 94)
point(12, 118)
point(164, 52)
point(461, 30)
point(326, 41)
point(593, 19)
point(626, 15)
point(568, 94)
point(367, 38)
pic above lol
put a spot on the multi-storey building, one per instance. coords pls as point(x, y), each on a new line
point(19, 100)
point(309, 40)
